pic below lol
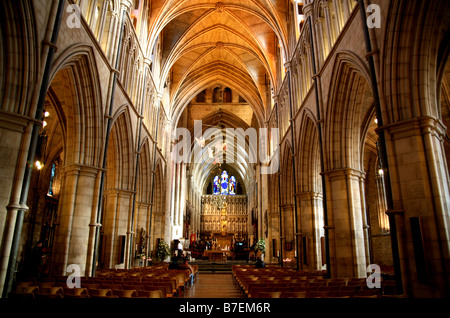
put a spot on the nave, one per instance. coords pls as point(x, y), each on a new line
point(186, 281)
point(212, 285)
point(229, 126)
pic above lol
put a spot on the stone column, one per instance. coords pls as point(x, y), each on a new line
point(347, 246)
point(328, 23)
point(109, 224)
point(311, 220)
point(15, 134)
point(420, 188)
point(93, 226)
point(74, 212)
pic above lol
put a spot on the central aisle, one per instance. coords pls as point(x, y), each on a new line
point(213, 286)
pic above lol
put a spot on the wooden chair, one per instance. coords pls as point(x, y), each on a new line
point(293, 294)
point(275, 294)
point(70, 296)
point(357, 281)
point(124, 293)
point(75, 291)
point(50, 290)
point(336, 284)
point(136, 286)
point(157, 293)
point(341, 293)
point(167, 290)
point(317, 284)
point(90, 286)
point(101, 292)
point(329, 289)
point(318, 294)
point(25, 292)
point(258, 290)
point(46, 284)
point(111, 286)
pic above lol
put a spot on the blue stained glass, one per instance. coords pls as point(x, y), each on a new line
point(52, 176)
point(224, 183)
point(216, 185)
point(232, 185)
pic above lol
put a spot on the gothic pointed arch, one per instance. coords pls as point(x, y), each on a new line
point(75, 82)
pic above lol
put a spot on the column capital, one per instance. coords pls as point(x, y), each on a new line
point(308, 9)
point(287, 65)
point(126, 3)
point(414, 126)
point(344, 172)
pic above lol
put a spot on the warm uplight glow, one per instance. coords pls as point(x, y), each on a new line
point(44, 123)
point(46, 114)
point(39, 165)
point(376, 121)
point(380, 172)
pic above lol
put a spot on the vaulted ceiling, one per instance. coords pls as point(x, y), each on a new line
point(230, 42)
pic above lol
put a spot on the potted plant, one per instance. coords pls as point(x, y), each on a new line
point(162, 250)
point(260, 246)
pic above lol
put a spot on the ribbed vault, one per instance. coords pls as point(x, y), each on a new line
point(205, 42)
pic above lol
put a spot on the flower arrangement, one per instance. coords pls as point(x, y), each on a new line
point(162, 250)
point(260, 246)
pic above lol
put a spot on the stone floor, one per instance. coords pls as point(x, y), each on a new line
point(209, 285)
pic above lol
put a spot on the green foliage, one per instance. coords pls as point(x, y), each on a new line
point(260, 246)
point(162, 250)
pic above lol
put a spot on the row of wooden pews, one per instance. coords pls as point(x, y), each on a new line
point(280, 282)
point(156, 281)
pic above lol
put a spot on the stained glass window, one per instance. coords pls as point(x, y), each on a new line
point(216, 189)
point(232, 185)
point(224, 183)
point(52, 176)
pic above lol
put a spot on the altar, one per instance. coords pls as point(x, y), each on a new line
point(217, 255)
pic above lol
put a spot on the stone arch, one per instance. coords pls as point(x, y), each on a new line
point(443, 92)
point(143, 191)
point(309, 157)
point(19, 62)
point(75, 82)
point(118, 188)
point(159, 222)
point(350, 99)
point(412, 57)
point(74, 93)
point(120, 152)
point(287, 199)
point(310, 196)
point(409, 77)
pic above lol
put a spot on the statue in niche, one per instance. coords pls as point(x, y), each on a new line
point(142, 243)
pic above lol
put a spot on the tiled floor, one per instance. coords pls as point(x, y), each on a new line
point(213, 286)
